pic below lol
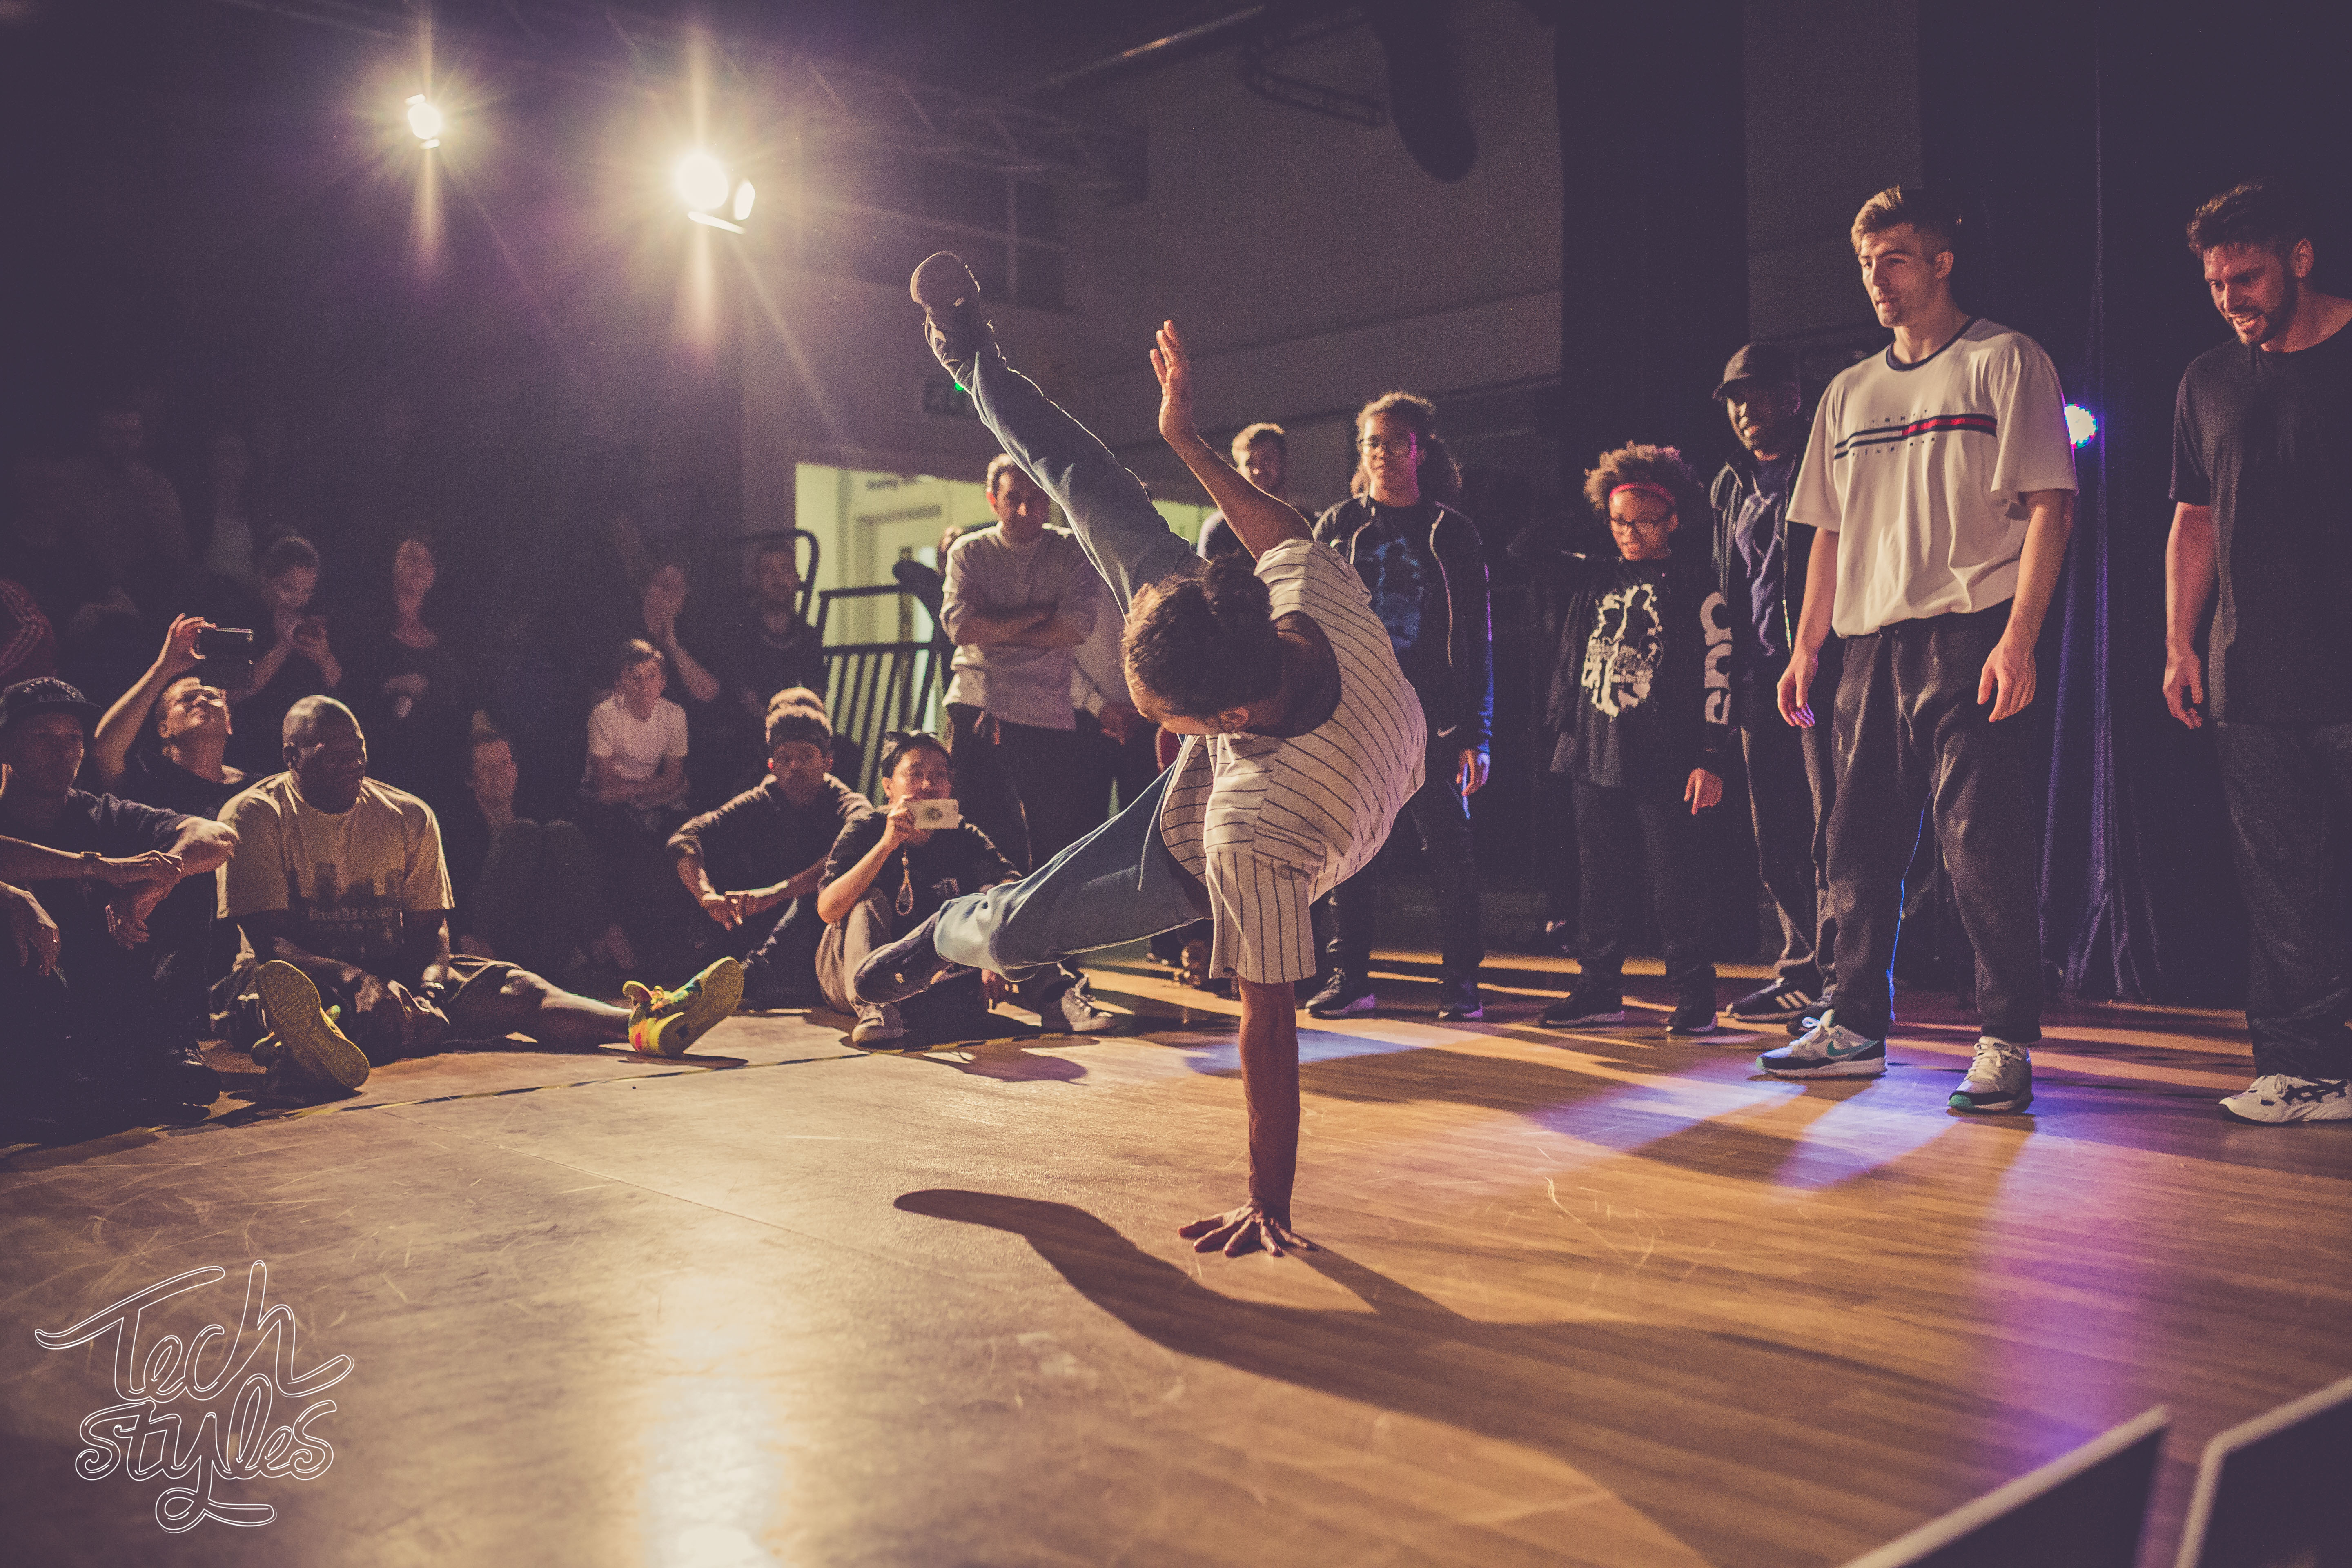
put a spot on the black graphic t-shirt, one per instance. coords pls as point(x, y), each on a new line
point(2265, 440)
point(921, 877)
point(1643, 693)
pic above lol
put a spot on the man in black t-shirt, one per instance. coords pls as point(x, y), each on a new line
point(2262, 482)
point(885, 878)
point(121, 994)
point(755, 863)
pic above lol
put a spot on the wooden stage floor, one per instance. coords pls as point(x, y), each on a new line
point(1591, 1298)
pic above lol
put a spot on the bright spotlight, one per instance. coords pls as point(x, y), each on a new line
point(701, 182)
point(744, 197)
point(2081, 424)
point(424, 120)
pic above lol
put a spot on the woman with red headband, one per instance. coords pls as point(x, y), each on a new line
point(1641, 700)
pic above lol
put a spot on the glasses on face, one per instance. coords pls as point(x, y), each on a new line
point(1641, 522)
point(1395, 446)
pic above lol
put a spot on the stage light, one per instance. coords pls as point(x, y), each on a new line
point(424, 120)
point(744, 197)
point(2081, 424)
point(701, 182)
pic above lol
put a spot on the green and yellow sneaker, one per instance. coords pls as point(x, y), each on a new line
point(665, 1023)
point(306, 1035)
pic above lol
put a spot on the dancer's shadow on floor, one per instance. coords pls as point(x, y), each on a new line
point(1740, 1447)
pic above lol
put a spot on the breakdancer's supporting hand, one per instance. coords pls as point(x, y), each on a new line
point(1245, 1230)
point(1270, 1085)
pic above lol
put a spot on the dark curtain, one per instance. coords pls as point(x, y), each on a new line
point(2080, 136)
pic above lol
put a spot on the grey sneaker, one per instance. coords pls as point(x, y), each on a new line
point(2001, 1078)
point(1829, 1049)
point(2278, 1097)
point(877, 1025)
point(1074, 1011)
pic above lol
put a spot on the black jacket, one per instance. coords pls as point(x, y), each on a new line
point(1727, 495)
point(1446, 646)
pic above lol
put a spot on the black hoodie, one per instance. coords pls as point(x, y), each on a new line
point(1640, 690)
point(1426, 571)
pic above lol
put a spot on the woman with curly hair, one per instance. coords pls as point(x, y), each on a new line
point(1641, 699)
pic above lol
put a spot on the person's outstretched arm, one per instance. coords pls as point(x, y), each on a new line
point(1258, 519)
point(110, 745)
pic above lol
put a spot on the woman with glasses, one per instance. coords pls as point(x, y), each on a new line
point(1302, 738)
point(1425, 568)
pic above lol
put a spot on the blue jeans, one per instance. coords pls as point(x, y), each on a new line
point(1118, 883)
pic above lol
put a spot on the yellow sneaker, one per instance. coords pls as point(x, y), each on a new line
point(665, 1023)
point(305, 1033)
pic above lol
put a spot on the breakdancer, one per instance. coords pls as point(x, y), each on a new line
point(1302, 738)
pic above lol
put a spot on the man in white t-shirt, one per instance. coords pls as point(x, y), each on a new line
point(1940, 483)
point(342, 896)
point(1302, 738)
point(1019, 597)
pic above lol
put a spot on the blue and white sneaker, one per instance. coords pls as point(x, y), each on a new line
point(1829, 1049)
point(2001, 1078)
point(2275, 1098)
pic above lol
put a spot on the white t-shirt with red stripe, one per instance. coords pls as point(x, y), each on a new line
point(1921, 470)
point(1270, 824)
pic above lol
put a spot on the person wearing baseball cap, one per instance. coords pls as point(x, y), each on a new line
point(1761, 561)
point(99, 1005)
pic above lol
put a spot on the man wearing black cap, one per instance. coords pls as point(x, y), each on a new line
point(1761, 560)
point(121, 1005)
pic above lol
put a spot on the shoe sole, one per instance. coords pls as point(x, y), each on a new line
point(1693, 1031)
point(2234, 1114)
point(1962, 1103)
point(1362, 1008)
point(1767, 1015)
point(1874, 1067)
point(291, 1002)
point(1579, 1022)
point(941, 281)
point(1471, 1016)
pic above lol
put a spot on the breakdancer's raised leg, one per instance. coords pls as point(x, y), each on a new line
point(1302, 738)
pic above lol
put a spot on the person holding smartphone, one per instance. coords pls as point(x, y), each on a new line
point(889, 874)
point(297, 662)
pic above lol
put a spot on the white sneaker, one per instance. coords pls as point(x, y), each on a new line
point(2001, 1078)
point(1828, 1050)
point(1074, 1011)
point(877, 1025)
point(2275, 1097)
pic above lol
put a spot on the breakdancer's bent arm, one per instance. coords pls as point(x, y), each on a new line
point(1270, 1085)
point(1258, 519)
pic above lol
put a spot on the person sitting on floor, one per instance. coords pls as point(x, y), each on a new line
point(753, 864)
point(528, 892)
point(342, 893)
point(885, 877)
point(178, 764)
point(96, 1000)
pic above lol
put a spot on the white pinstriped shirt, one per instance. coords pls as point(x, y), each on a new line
point(1271, 823)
